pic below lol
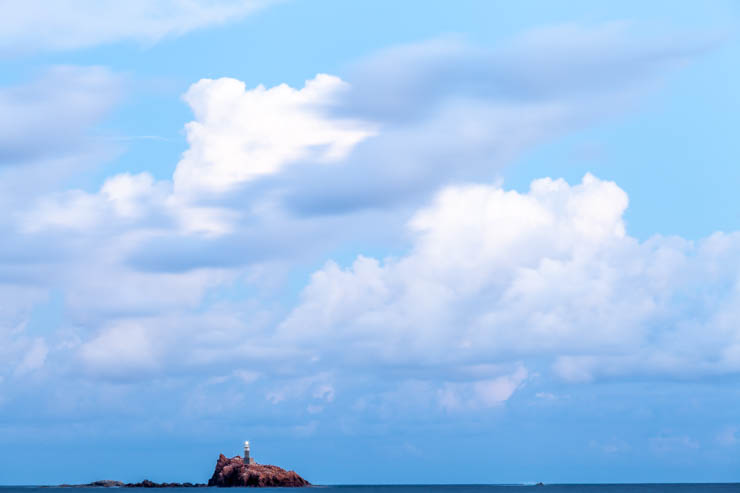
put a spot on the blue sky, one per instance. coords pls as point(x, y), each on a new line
point(386, 242)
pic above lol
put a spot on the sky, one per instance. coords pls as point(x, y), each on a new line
point(385, 242)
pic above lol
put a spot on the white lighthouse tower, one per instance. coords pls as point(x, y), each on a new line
point(247, 458)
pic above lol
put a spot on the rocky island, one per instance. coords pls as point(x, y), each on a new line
point(236, 471)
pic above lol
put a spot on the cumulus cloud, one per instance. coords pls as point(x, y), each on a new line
point(547, 277)
point(123, 201)
point(497, 284)
point(96, 232)
point(62, 25)
point(240, 134)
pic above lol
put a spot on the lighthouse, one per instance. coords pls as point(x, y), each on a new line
point(247, 458)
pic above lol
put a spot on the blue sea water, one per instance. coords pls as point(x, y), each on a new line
point(548, 488)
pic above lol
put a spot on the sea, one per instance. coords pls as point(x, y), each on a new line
point(546, 488)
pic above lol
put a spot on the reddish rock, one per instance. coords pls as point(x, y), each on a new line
point(234, 472)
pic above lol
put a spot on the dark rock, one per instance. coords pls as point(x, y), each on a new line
point(151, 484)
point(103, 483)
point(107, 483)
point(234, 472)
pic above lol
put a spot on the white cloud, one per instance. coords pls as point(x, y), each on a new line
point(324, 392)
point(240, 134)
point(494, 277)
point(111, 306)
point(74, 209)
point(127, 202)
point(121, 351)
point(315, 386)
point(481, 393)
point(56, 25)
point(548, 275)
point(123, 201)
point(129, 194)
